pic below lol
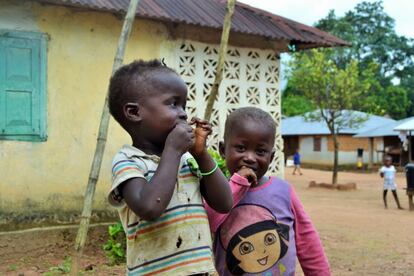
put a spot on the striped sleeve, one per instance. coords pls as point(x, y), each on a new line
point(124, 168)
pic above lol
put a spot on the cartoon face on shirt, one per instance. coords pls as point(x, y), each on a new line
point(259, 251)
point(253, 240)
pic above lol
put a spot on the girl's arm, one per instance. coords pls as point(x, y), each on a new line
point(309, 248)
point(239, 186)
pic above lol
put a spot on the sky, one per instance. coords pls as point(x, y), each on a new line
point(308, 12)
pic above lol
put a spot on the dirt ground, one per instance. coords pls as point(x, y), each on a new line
point(359, 235)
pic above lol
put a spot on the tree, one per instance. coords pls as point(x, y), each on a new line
point(293, 105)
point(374, 40)
point(333, 90)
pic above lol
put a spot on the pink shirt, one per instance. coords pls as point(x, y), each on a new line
point(306, 241)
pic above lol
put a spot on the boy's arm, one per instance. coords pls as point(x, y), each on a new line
point(149, 200)
point(215, 187)
point(309, 248)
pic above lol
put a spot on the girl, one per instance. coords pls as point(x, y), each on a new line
point(267, 228)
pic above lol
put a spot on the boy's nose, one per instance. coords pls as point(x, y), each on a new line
point(182, 115)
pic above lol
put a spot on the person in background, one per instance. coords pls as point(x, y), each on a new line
point(388, 173)
point(296, 162)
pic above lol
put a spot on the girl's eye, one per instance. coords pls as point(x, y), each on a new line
point(246, 248)
point(239, 148)
point(270, 239)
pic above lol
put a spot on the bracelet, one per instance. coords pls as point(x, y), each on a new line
point(210, 172)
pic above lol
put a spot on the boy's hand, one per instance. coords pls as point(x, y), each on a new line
point(201, 131)
point(249, 174)
point(181, 138)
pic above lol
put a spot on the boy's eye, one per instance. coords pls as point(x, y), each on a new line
point(261, 151)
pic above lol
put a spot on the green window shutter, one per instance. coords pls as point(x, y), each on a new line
point(22, 86)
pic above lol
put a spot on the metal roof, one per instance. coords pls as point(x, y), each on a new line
point(383, 130)
point(210, 13)
point(298, 125)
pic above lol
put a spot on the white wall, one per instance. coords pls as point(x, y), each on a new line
point(326, 157)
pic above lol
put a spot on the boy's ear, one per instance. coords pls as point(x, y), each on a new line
point(132, 112)
point(222, 149)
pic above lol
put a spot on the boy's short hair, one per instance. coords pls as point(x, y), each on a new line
point(258, 115)
point(135, 75)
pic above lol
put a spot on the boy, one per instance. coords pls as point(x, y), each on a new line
point(267, 228)
point(296, 162)
point(388, 173)
point(156, 183)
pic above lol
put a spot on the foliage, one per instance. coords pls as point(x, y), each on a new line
point(62, 268)
point(332, 89)
point(220, 162)
point(375, 41)
point(115, 246)
point(293, 105)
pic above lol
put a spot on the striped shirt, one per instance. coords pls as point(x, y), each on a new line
point(179, 241)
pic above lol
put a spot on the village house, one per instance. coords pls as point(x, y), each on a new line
point(315, 144)
point(392, 141)
point(55, 61)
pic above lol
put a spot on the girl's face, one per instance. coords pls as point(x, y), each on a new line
point(388, 162)
point(250, 145)
point(258, 252)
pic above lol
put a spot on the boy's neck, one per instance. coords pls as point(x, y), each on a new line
point(147, 147)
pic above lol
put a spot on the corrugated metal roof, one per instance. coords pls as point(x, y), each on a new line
point(298, 125)
point(210, 13)
point(383, 130)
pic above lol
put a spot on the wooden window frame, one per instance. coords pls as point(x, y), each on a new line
point(39, 134)
point(317, 143)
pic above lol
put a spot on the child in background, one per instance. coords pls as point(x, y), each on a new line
point(155, 184)
point(388, 173)
point(296, 162)
point(267, 228)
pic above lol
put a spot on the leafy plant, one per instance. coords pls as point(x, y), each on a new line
point(220, 162)
point(63, 268)
point(115, 247)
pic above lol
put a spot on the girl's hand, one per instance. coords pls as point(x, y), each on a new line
point(201, 131)
point(249, 175)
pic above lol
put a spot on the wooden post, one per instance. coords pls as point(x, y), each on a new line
point(220, 64)
point(101, 141)
point(410, 158)
point(371, 153)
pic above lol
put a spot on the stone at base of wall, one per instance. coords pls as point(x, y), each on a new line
point(19, 221)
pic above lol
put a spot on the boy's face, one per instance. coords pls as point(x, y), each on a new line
point(163, 107)
point(249, 144)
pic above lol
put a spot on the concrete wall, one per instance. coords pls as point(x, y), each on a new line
point(48, 179)
point(347, 152)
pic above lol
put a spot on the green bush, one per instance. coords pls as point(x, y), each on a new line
point(220, 161)
point(115, 246)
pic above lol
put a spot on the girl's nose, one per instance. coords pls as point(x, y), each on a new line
point(249, 157)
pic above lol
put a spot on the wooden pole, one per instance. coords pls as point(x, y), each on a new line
point(371, 153)
point(102, 135)
point(220, 64)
